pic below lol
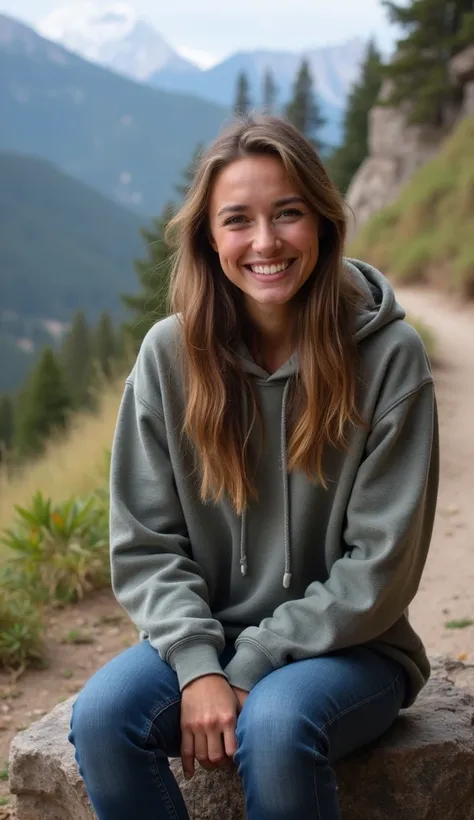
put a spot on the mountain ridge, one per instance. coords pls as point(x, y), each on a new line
point(126, 139)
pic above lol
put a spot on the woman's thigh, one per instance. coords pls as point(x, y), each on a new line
point(334, 703)
point(136, 695)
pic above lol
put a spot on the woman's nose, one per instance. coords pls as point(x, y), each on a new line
point(265, 240)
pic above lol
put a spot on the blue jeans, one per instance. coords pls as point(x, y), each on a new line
point(295, 723)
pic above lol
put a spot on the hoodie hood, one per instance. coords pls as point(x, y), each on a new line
point(380, 306)
point(377, 309)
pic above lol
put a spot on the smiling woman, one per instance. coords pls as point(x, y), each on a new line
point(273, 488)
point(267, 242)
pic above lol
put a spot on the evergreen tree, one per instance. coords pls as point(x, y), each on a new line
point(183, 187)
point(151, 303)
point(105, 345)
point(434, 32)
point(76, 356)
point(44, 406)
point(7, 425)
point(346, 160)
point(303, 109)
point(269, 92)
point(243, 102)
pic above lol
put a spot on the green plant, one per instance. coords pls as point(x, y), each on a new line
point(59, 552)
point(4, 772)
point(75, 636)
point(462, 623)
point(21, 630)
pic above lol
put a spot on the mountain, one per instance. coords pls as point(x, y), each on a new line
point(118, 38)
point(125, 139)
point(63, 246)
point(114, 37)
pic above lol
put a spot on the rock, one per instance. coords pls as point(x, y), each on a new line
point(397, 149)
point(423, 767)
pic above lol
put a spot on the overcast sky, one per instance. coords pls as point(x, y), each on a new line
point(219, 27)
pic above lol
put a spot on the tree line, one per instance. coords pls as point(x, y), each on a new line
point(68, 379)
point(64, 380)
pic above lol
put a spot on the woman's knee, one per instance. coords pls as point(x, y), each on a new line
point(118, 705)
point(271, 725)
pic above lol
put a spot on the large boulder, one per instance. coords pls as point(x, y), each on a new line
point(422, 768)
point(397, 148)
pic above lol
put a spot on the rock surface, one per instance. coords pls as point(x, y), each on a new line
point(422, 768)
point(397, 149)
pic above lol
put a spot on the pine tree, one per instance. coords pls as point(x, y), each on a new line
point(7, 425)
point(188, 174)
point(346, 160)
point(105, 345)
point(243, 103)
point(151, 303)
point(44, 406)
point(303, 109)
point(435, 31)
point(76, 356)
point(269, 92)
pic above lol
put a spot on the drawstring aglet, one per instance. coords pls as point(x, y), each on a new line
point(287, 580)
point(243, 566)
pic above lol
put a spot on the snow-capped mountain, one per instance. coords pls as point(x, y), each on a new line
point(114, 37)
point(118, 39)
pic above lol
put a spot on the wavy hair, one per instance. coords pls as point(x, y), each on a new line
point(221, 406)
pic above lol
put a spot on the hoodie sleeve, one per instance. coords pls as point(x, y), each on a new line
point(154, 576)
point(388, 528)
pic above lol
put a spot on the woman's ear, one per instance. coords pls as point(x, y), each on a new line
point(212, 242)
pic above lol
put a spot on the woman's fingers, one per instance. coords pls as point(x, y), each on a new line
point(230, 741)
point(187, 753)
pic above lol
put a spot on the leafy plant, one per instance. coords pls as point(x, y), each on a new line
point(59, 552)
point(21, 631)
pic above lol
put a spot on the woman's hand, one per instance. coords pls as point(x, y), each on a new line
point(209, 709)
point(241, 696)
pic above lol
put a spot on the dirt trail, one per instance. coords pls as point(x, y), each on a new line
point(447, 589)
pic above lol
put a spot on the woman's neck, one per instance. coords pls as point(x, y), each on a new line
point(270, 342)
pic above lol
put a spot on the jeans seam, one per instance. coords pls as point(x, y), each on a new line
point(156, 714)
point(159, 782)
point(156, 773)
point(322, 733)
point(359, 703)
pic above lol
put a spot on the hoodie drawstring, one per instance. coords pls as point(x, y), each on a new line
point(286, 496)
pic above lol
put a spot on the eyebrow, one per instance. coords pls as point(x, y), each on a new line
point(237, 209)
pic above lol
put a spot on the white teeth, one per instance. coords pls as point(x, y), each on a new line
point(267, 270)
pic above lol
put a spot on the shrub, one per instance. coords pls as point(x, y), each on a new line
point(21, 630)
point(58, 552)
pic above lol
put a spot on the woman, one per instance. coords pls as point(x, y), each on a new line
point(273, 488)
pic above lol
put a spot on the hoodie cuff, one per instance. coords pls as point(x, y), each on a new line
point(194, 660)
point(249, 665)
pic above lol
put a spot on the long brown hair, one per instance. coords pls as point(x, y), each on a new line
point(211, 309)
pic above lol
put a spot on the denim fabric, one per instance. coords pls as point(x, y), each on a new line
point(295, 723)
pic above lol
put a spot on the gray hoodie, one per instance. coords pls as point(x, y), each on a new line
point(306, 570)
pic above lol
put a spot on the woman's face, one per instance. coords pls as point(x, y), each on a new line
point(264, 232)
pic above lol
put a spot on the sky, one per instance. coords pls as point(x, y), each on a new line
point(212, 29)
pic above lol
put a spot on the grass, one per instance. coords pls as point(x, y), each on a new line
point(71, 466)
point(427, 235)
point(462, 623)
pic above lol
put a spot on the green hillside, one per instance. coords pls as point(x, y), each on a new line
point(127, 140)
point(63, 246)
point(427, 235)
